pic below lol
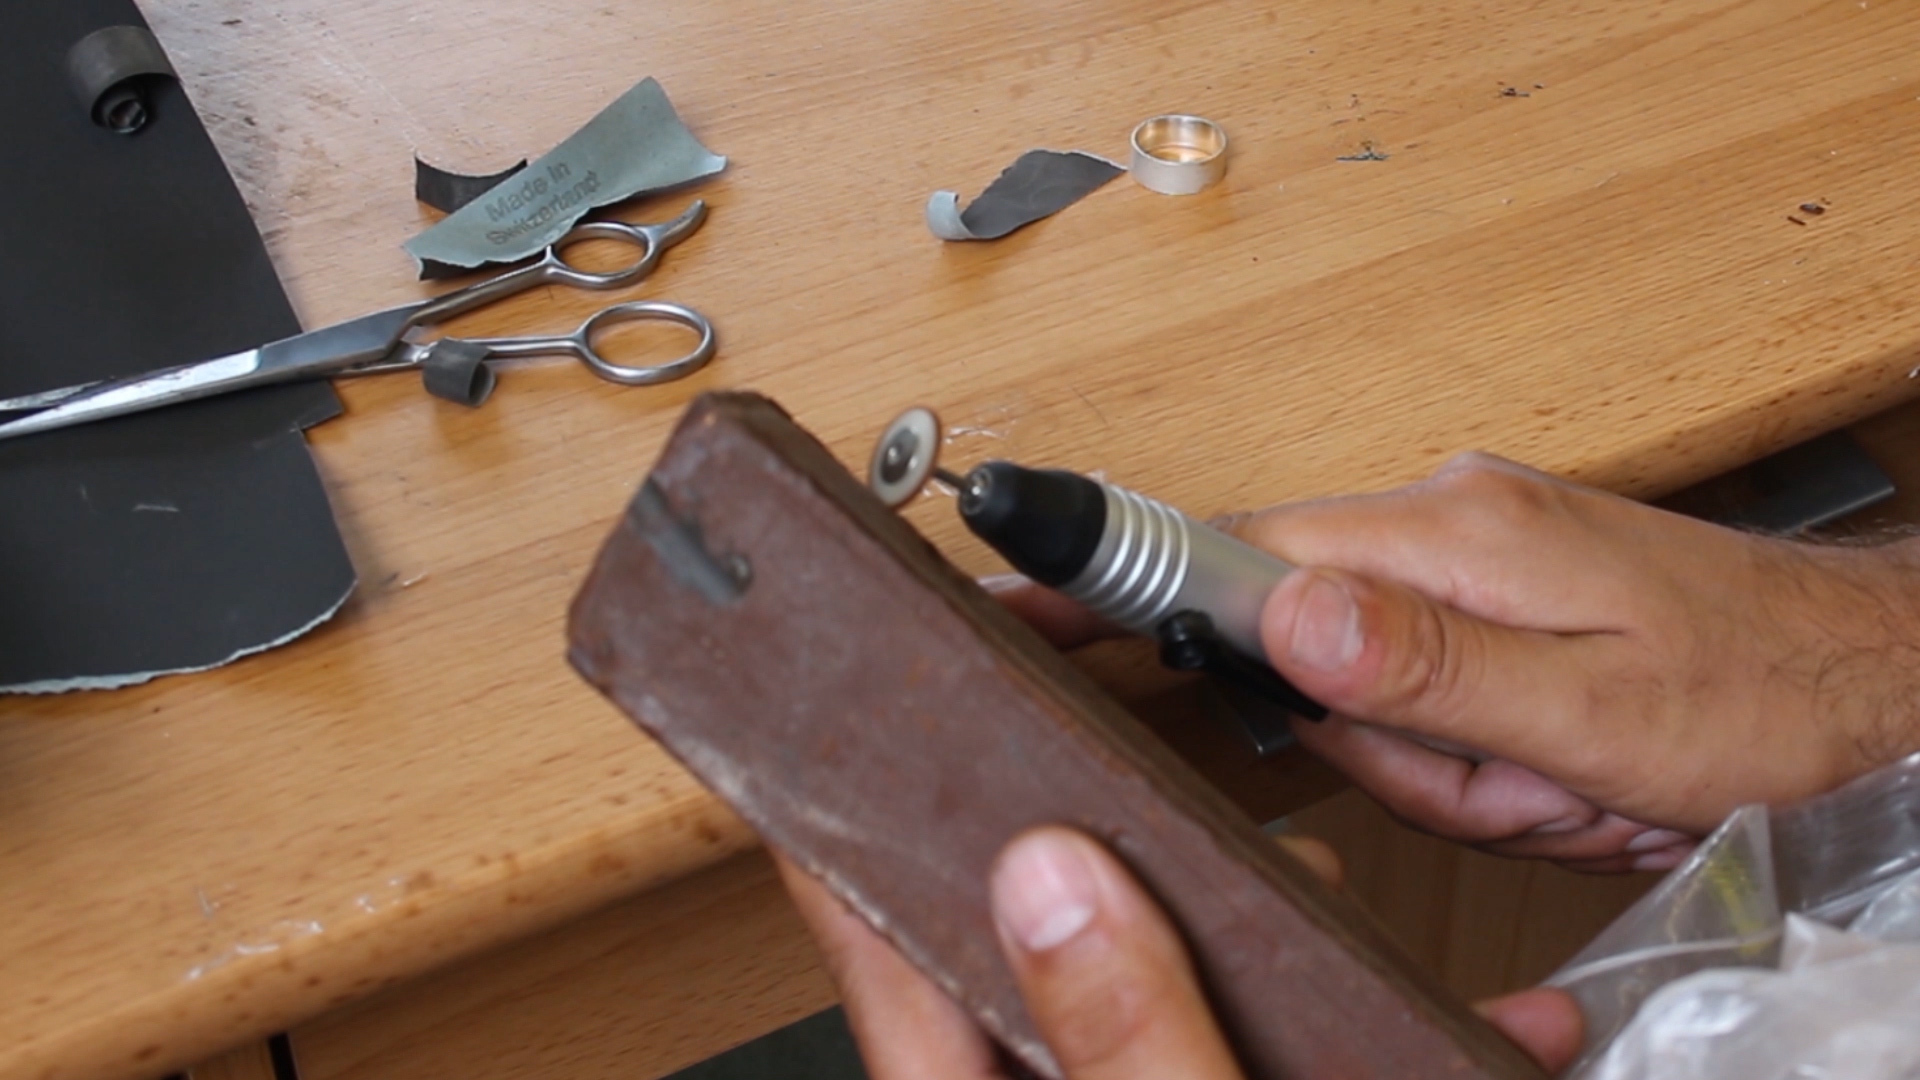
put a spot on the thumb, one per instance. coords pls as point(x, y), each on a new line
point(1383, 653)
point(1104, 974)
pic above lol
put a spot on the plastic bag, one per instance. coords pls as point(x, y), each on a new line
point(1854, 852)
point(1841, 1007)
point(1894, 915)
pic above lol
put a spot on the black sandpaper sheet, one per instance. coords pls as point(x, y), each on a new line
point(171, 540)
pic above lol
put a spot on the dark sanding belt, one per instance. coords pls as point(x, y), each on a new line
point(174, 539)
point(112, 71)
point(457, 371)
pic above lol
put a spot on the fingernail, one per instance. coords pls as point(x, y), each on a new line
point(1653, 839)
point(995, 583)
point(1660, 860)
point(1564, 825)
point(1043, 891)
point(1326, 629)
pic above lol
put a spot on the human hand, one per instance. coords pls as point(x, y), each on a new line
point(1626, 676)
point(1104, 975)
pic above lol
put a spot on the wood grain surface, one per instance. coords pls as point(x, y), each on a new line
point(664, 979)
point(634, 991)
point(249, 1061)
point(1598, 277)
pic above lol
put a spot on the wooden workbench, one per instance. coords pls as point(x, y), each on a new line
point(1573, 248)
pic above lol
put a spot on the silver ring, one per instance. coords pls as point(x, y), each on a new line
point(1178, 155)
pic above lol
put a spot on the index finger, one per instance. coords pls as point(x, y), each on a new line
point(1491, 538)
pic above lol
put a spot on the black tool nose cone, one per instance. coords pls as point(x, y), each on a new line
point(1046, 522)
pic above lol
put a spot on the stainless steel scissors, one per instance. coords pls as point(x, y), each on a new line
point(381, 342)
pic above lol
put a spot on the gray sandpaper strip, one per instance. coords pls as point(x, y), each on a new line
point(1040, 183)
point(636, 144)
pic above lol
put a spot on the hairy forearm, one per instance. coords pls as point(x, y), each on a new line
point(1871, 676)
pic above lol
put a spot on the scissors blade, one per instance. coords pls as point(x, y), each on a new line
point(45, 397)
point(331, 350)
point(121, 396)
point(315, 354)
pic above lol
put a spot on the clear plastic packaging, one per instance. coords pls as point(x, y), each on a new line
point(1841, 1007)
point(1732, 967)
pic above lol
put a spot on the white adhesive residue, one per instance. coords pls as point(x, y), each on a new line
point(991, 422)
point(279, 935)
point(155, 508)
point(961, 431)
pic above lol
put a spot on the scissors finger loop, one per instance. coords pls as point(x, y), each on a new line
point(653, 240)
point(559, 270)
point(638, 310)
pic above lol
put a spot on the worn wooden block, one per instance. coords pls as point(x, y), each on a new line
point(885, 724)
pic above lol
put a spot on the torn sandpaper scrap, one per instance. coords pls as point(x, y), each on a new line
point(449, 191)
point(636, 144)
point(1040, 184)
